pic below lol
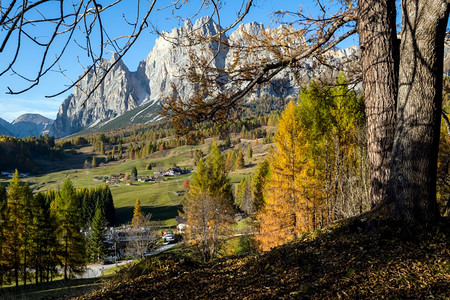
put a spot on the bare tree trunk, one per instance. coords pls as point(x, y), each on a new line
point(412, 185)
point(25, 265)
point(66, 250)
point(16, 268)
point(328, 184)
point(379, 57)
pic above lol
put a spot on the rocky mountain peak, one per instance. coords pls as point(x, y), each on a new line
point(252, 28)
point(165, 66)
point(118, 93)
point(206, 27)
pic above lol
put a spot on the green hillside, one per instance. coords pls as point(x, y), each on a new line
point(143, 114)
point(159, 198)
point(156, 198)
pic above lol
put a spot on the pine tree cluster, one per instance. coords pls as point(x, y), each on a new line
point(40, 234)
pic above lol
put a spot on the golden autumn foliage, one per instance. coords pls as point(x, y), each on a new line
point(283, 217)
point(318, 172)
point(136, 221)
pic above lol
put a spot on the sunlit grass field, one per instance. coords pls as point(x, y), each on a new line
point(159, 198)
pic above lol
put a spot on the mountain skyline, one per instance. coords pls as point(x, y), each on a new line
point(34, 101)
point(123, 90)
point(26, 125)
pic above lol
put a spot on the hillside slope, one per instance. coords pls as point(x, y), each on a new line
point(4, 131)
point(143, 114)
point(340, 263)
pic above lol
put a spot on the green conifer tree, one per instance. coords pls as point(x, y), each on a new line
point(134, 173)
point(12, 228)
point(43, 238)
point(109, 209)
point(26, 230)
point(3, 224)
point(249, 151)
point(218, 181)
point(239, 163)
point(258, 182)
point(70, 236)
point(17, 227)
point(208, 204)
point(96, 242)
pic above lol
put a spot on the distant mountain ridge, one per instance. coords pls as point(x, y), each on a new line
point(4, 131)
point(4, 125)
point(123, 90)
point(26, 125)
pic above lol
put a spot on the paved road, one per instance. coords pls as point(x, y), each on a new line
point(95, 270)
point(161, 249)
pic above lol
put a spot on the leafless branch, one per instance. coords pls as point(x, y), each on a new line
point(83, 18)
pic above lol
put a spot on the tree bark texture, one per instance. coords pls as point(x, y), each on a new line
point(379, 60)
point(412, 186)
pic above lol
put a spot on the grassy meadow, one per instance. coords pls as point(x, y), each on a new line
point(159, 198)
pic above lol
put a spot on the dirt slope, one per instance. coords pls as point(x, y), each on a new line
point(342, 263)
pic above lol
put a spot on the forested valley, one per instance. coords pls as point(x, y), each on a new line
point(276, 195)
point(304, 158)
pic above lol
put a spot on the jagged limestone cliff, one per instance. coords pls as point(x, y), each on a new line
point(165, 66)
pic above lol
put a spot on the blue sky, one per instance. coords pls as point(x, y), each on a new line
point(34, 101)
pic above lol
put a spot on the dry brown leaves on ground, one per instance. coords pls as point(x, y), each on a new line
point(342, 263)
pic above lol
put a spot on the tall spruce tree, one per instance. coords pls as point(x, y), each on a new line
point(258, 182)
point(134, 173)
point(27, 230)
point(43, 237)
point(69, 221)
point(52, 259)
point(13, 237)
point(108, 206)
point(96, 245)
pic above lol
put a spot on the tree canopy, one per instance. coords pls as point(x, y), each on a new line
point(402, 78)
point(402, 83)
point(209, 203)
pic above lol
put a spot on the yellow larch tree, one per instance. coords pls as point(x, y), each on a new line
point(136, 221)
point(284, 217)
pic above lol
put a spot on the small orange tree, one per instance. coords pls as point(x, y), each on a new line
point(137, 215)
